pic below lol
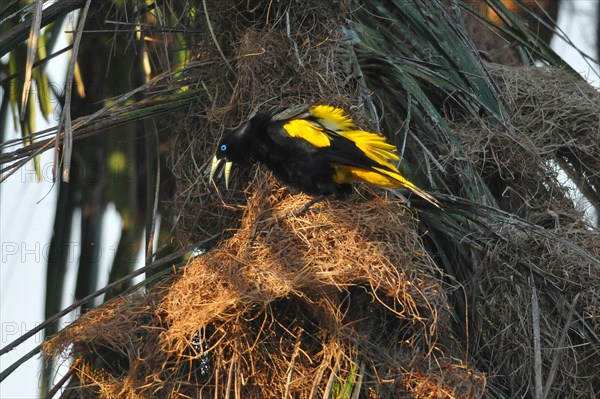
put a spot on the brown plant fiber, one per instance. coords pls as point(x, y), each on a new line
point(289, 306)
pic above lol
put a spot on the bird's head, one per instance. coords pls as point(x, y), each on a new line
point(233, 148)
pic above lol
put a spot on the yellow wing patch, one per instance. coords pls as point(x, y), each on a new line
point(332, 118)
point(331, 121)
point(373, 146)
point(308, 131)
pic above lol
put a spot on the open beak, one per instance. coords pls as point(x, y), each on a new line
point(216, 162)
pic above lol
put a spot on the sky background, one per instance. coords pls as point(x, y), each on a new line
point(27, 213)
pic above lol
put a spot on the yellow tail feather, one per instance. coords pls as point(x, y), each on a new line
point(382, 178)
point(403, 182)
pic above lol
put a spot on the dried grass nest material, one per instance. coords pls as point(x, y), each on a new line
point(565, 282)
point(290, 306)
point(553, 122)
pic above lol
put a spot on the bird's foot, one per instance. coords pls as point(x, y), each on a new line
point(308, 205)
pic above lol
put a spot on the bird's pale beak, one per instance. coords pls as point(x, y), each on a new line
point(216, 162)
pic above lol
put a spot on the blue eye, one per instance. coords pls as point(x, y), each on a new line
point(223, 147)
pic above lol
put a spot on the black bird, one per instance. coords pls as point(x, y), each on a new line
point(317, 150)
